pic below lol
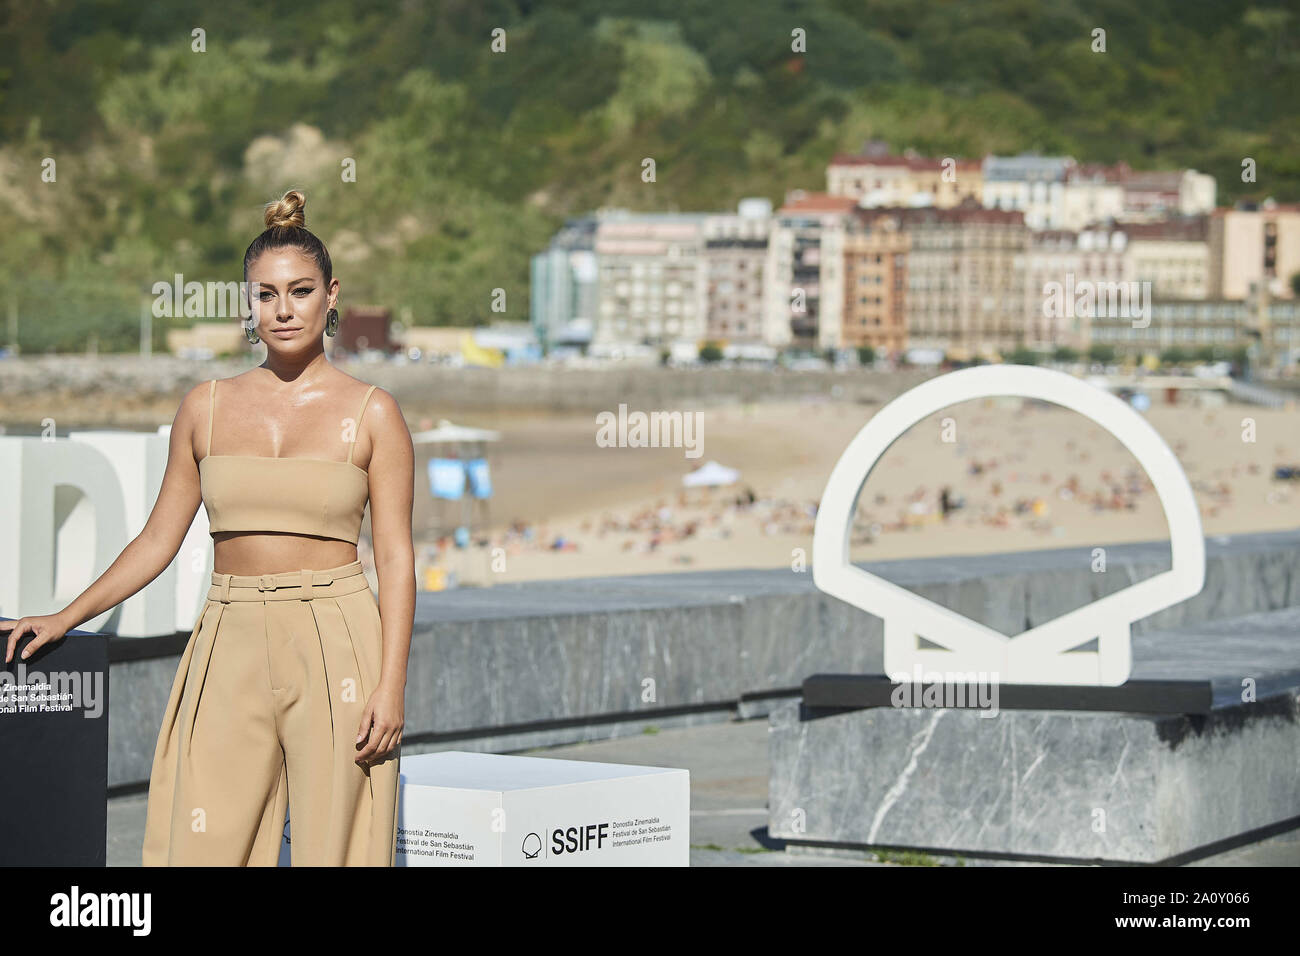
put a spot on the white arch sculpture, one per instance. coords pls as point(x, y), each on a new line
point(1041, 655)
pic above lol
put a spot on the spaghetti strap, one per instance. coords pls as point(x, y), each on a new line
point(357, 430)
point(212, 406)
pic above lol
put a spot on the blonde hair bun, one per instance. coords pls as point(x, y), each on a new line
point(287, 211)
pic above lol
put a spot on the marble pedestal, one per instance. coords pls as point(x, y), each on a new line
point(1060, 784)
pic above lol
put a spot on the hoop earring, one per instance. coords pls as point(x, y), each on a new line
point(331, 321)
point(250, 333)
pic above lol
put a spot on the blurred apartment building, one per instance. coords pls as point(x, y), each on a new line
point(804, 272)
point(1236, 292)
point(1047, 191)
point(735, 257)
point(965, 291)
point(906, 252)
point(1278, 328)
point(1172, 255)
point(1059, 259)
point(1159, 193)
point(1134, 263)
point(1056, 192)
point(1223, 281)
point(562, 303)
point(1251, 262)
point(875, 283)
point(651, 286)
point(1268, 329)
point(843, 276)
point(1254, 247)
point(1188, 326)
point(876, 178)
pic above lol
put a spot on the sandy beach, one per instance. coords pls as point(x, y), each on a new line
point(1020, 476)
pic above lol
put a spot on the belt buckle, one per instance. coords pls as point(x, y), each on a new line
point(266, 582)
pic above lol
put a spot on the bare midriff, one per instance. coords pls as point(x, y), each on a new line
point(274, 552)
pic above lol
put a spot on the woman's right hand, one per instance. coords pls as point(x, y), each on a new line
point(45, 628)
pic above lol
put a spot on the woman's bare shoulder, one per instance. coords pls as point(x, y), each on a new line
point(378, 398)
point(383, 406)
point(191, 419)
point(384, 420)
point(200, 394)
point(204, 387)
point(195, 399)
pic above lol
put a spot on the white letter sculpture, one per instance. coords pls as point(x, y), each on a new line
point(1038, 655)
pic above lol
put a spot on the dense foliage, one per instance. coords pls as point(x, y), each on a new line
point(467, 159)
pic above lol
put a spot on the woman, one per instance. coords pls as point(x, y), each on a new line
point(290, 652)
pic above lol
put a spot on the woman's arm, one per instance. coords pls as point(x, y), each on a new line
point(156, 545)
point(392, 487)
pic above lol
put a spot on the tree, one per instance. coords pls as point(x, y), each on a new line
point(1105, 354)
point(1240, 358)
point(866, 355)
point(1173, 356)
point(1023, 356)
point(1063, 353)
point(710, 352)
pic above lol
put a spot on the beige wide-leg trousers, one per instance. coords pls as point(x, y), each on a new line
point(263, 713)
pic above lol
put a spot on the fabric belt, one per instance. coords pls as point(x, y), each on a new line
point(301, 585)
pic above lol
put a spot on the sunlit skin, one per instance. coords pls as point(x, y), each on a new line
point(293, 405)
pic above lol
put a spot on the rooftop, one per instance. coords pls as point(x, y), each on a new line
point(917, 163)
point(801, 200)
point(968, 212)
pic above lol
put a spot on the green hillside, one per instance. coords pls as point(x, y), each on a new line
point(468, 159)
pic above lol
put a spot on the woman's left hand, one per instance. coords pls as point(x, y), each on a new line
point(381, 724)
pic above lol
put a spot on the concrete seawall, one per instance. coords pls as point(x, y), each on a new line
point(532, 664)
point(128, 391)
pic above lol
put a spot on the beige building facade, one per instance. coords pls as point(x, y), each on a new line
point(1069, 279)
point(652, 287)
point(875, 284)
point(965, 285)
point(877, 179)
point(735, 254)
point(1254, 248)
point(803, 274)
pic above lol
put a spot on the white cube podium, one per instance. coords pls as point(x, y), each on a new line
point(457, 808)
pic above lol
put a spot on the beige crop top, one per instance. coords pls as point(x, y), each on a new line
point(313, 496)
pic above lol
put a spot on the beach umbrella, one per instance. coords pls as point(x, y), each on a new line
point(460, 483)
point(711, 474)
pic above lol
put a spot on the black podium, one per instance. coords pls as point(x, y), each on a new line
point(54, 750)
